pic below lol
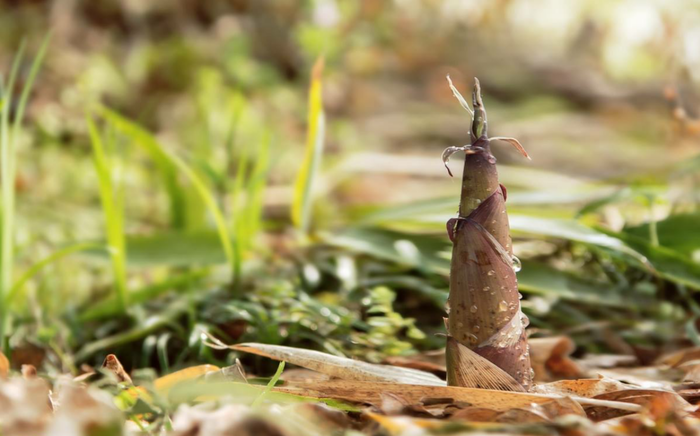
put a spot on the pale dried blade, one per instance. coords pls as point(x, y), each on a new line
point(340, 367)
point(514, 142)
point(459, 97)
point(586, 388)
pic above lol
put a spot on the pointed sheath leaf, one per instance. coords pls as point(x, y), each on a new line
point(474, 371)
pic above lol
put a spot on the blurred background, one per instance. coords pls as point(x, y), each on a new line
point(175, 215)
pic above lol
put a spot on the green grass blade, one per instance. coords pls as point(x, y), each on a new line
point(147, 141)
point(166, 316)
point(211, 204)
point(166, 168)
point(248, 215)
point(107, 307)
point(303, 188)
point(270, 385)
point(237, 210)
point(48, 260)
point(33, 71)
point(7, 171)
point(113, 214)
point(256, 187)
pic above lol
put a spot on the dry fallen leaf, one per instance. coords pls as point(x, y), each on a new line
point(405, 425)
point(431, 361)
point(611, 390)
point(301, 374)
point(233, 373)
point(335, 366)
point(692, 371)
point(4, 366)
point(598, 361)
point(85, 412)
point(24, 407)
point(588, 388)
point(648, 377)
point(165, 383)
point(212, 419)
point(113, 365)
point(396, 405)
point(522, 416)
point(550, 359)
point(28, 371)
point(475, 414)
point(545, 412)
point(371, 392)
point(326, 419)
point(643, 397)
point(362, 382)
point(205, 420)
point(677, 358)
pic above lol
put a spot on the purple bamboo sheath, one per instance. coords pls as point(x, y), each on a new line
point(484, 302)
